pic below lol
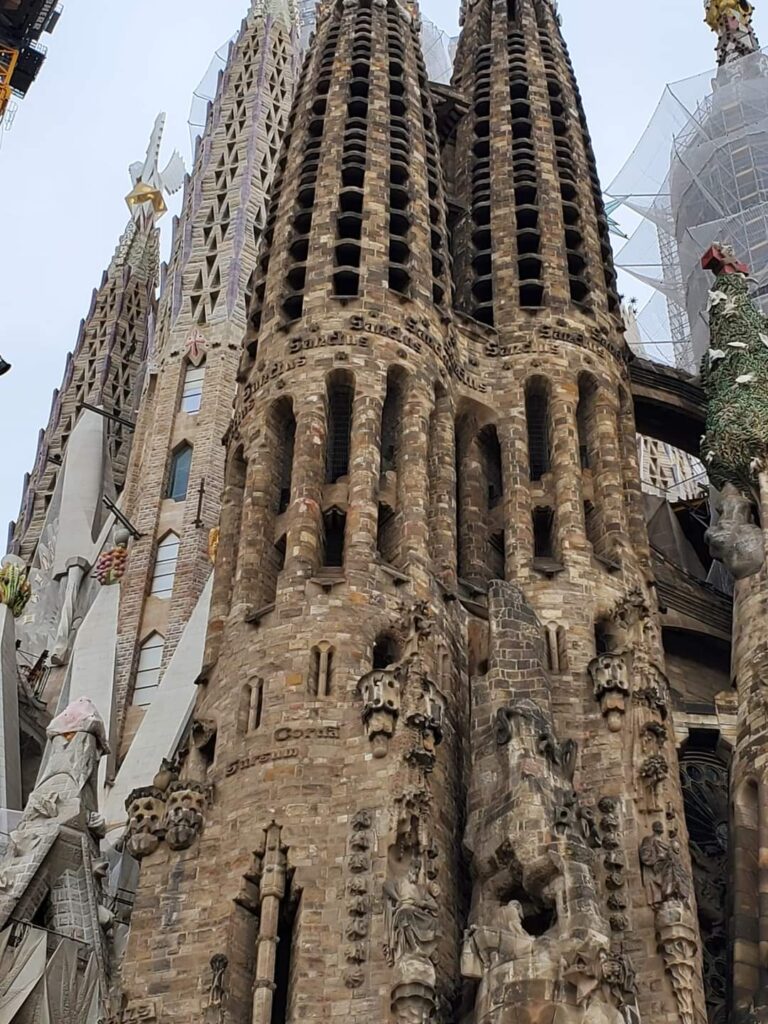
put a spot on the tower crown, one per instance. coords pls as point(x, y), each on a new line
point(732, 21)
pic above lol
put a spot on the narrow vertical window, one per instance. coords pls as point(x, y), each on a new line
point(341, 393)
point(335, 522)
point(178, 479)
point(165, 566)
point(320, 670)
point(537, 418)
point(148, 670)
point(192, 393)
point(543, 533)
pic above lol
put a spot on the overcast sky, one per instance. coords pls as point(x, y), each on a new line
point(114, 64)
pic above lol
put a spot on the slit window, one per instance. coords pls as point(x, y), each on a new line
point(340, 397)
point(148, 670)
point(543, 533)
point(192, 394)
point(165, 566)
point(178, 480)
point(537, 418)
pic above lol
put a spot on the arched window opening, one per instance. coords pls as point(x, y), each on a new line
point(543, 533)
point(284, 433)
point(704, 774)
point(746, 894)
point(335, 523)
point(491, 455)
point(392, 420)
point(148, 670)
point(178, 478)
point(251, 707)
point(496, 556)
point(603, 637)
point(287, 927)
point(585, 420)
point(166, 561)
point(192, 392)
point(537, 419)
point(386, 652)
point(341, 394)
point(387, 535)
point(321, 670)
point(592, 524)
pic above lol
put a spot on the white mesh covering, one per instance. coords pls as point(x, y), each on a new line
point(439, 53)
point(699, 174)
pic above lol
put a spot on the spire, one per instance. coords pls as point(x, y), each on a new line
point(732, 20)
point(149, 182)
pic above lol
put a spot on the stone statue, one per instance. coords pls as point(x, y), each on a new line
point(503, 940)
point(664, 873)
point(411, 918)
point(735, 539)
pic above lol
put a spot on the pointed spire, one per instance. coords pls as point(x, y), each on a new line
point(732, 20)
point(149, 182)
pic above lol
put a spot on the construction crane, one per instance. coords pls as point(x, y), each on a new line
point(22, 22)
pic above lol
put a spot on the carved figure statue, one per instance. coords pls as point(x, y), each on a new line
point(664, 873)
point(735, 539)
point(610, 678)
point(411, 918)
point(502, 940)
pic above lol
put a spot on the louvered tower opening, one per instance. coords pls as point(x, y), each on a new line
point(399, 157)
point(576, 256)
point(482, 238)
point(525, 177)
point(349, 218)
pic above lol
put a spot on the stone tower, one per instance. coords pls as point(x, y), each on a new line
point(431, 773)
point(176, 476)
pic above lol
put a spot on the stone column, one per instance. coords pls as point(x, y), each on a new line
point(566, 470)
point(633, 491)
point(518, 522)
point(305, 529)
point(442, 474)
point(413, 485)
point(609, 492)
point(473, 501)
point(364, 475)
point(256, 528)
point(272, 895)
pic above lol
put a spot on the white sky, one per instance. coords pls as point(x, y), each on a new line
point(112, 66)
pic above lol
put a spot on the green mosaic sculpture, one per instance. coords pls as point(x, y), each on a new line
point(735, 379)
point(15, 590)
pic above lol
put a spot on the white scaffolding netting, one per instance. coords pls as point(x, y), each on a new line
point(699, 174)
point(439, 53)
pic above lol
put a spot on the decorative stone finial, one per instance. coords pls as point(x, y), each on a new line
point(15, 590)
point(149, 182)
point(732, 21)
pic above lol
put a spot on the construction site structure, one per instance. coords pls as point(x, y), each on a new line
point(22, 23)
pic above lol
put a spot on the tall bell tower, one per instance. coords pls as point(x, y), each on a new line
point(431, 774)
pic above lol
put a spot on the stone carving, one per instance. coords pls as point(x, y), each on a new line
point(219, 965)
point(411, 920)
point(424, 709)
point(380, 693)
point(654, 771)
point(146, 811)
point(664, 873)
point(15, 590)
point(502, 940)
point(614, 863)
point(184, 814)
point(561, 755)
point(735, 540)
point(357, 929)
point(610, 678)
point(735, 379)
point(111, 565)
point(676, 929)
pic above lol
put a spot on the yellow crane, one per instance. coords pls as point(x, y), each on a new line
point(8, 60)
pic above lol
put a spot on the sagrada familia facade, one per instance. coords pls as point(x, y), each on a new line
point(342, 676)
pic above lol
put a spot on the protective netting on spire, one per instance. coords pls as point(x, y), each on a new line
point(698, 174)
point(439, 52)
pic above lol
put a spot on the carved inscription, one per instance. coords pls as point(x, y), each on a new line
point(291, 733)
point(596, 340)
point(243, 763)
point(139, 1011)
